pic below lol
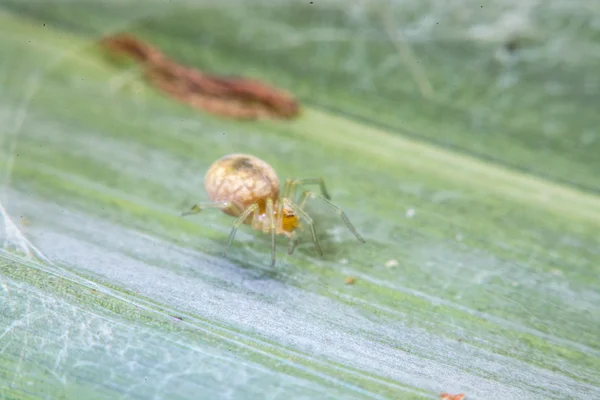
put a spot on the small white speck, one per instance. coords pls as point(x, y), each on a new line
point(459, 237)
point(515, 284)
point(344, 261)
point(391, 263)
point(410, 213)
point(556, 272)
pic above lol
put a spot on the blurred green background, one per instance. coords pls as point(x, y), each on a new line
point(460, 137)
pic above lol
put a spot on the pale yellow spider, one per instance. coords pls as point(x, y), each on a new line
point(246, 187)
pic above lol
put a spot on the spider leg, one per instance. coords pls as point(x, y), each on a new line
point(286, 188)
point(340, 212)
point(308, 221)
point(292, 245)
point(239, 221)
point(305, 196)
point(271, 215)
point(203, 206)
point(292, 184)
point(283, 195)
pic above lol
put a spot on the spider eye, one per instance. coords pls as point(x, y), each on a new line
point(289, 214)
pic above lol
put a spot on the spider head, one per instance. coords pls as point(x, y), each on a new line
point(289, 220)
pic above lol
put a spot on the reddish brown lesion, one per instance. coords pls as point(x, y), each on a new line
point(239, 98)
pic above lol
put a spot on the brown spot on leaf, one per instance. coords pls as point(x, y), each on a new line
point(239, 98)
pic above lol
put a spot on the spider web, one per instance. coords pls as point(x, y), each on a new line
point(97, 307)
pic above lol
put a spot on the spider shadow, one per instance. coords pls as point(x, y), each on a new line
point(254, 255)
point(305, 248)
point(254, 258)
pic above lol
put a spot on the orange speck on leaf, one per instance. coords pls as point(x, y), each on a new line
point(448, 396)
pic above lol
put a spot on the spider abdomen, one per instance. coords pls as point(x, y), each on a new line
point(243, 180)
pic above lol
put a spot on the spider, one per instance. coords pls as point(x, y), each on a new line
point(246, 187)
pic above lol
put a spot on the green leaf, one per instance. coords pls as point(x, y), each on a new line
point(461, 140)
